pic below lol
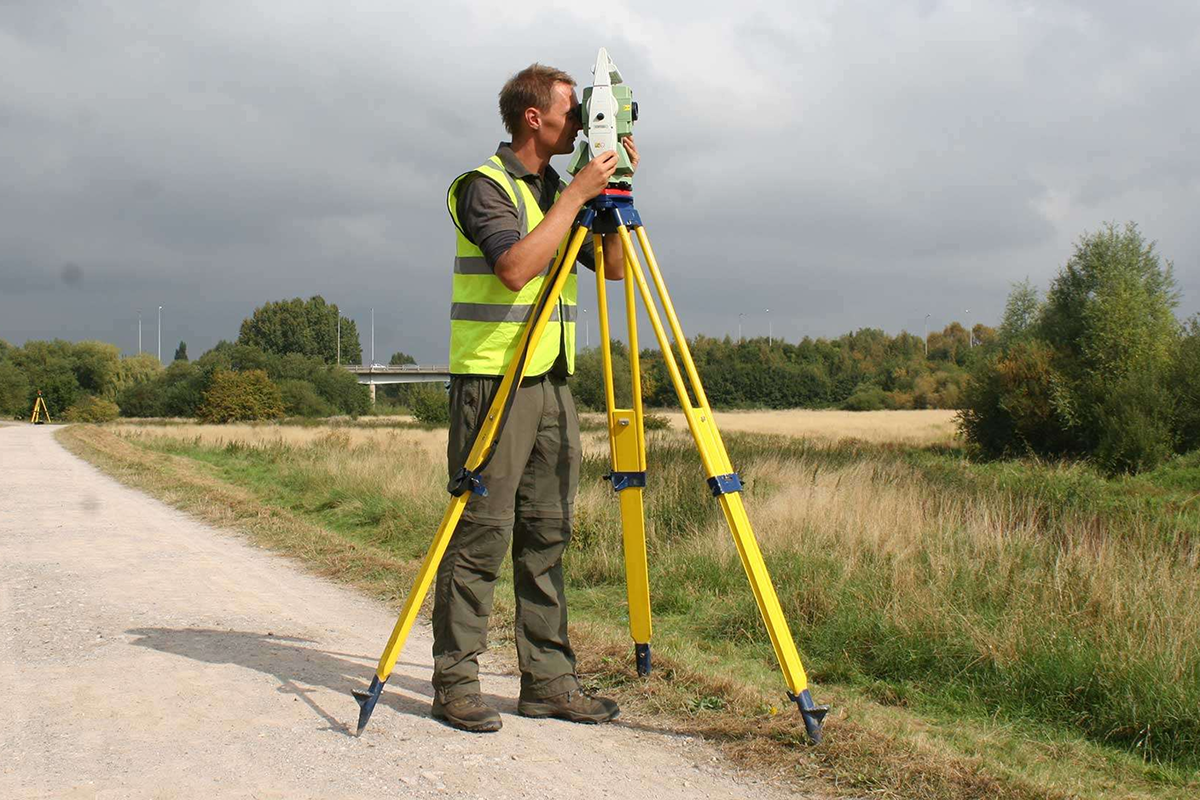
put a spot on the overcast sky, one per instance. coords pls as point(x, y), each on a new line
point(845, 165)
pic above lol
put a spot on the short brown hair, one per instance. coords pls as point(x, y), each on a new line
point(532, 87)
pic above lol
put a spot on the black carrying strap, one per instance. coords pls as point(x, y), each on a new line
point(470, 480)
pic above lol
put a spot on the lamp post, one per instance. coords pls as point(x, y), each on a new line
point(770, 329)
point(339, 338)
point(372, 337)
point(139, 333)
point(970, 336)
point(926, 337)
point(160, 334)
point(587, 330)
point(740, 327)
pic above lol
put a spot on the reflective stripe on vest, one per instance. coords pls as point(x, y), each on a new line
point(486, 317)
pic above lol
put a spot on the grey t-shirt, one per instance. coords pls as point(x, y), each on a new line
point(488, 217)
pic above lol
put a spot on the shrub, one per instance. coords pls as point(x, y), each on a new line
point(867, 397)
point(430, 404)
point(234, 396)
point(1135, 426)
point(341, 389)
point(655, 422)
point(300, 399)
point(1013, 404)
point(146, 399)
point(92, 409)
point(14, 389)
point(1185, 386)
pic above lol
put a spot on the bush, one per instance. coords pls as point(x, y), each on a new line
point(656, 422)
point(300, 399)
point(1185, 386)
point(430, 404)
point(147, 399)
point(341, 389)
point(92, 409)
point(1014, 405)
point(1135, 426)
point(14, 389)
point(236, 396)
point(867, 397)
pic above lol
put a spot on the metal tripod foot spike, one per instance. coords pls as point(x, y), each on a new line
point(641, 654)
point(812, 714)
point(367, 698)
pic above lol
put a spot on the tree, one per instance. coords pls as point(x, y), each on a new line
point(398, 358)
point(1092, 376)
point(131, 371)
point(1020, 313)
point(181, 352)
point(14, 389)
point(95, 365)
point(305, 327)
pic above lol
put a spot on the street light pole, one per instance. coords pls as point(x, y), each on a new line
point(970, 336)
point(160, 334)
point(770, 329)
point(139, 333)
point(926, 337)
point(740, 327)
point(372, 337)
point(339, 349)
point(587, 330)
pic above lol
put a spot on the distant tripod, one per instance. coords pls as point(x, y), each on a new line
point(41, 414)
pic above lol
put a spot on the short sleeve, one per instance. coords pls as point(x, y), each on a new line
point(484, 209)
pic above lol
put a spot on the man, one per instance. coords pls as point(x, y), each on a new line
point(511, 215)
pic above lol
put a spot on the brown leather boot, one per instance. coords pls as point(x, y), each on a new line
point(467, 713)
point(573, 706)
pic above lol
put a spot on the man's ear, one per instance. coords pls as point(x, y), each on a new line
point(533, 118)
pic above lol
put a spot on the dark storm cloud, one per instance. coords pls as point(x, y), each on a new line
point(842, 164)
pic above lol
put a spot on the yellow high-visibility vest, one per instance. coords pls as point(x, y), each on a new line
point(486, 317)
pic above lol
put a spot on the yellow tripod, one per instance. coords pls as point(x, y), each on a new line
point(41, 414)
point(613, 212)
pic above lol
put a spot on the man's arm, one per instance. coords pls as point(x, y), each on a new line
point(529, 256)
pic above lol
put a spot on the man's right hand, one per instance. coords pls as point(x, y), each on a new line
point(593, 179)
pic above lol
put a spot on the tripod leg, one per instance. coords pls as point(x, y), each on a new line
point(483, 444)
point(725, 485)
point(628, 476)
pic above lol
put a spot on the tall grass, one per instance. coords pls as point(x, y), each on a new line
point(1045, 594)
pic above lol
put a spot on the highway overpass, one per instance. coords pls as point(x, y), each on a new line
point(375, 374)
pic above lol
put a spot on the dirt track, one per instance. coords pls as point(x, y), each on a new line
point(145, 654)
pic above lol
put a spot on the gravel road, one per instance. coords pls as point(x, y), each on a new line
point(146, 654)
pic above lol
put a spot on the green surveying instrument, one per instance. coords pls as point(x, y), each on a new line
point(609, 112)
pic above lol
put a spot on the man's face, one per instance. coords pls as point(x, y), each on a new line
point(560, 124)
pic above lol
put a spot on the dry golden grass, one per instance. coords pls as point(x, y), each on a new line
point(919, 428)
point(432, 442)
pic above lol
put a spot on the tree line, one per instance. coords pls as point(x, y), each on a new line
point(865, 370)
point(284, 362)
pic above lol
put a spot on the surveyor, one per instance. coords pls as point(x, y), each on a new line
point(512, 214)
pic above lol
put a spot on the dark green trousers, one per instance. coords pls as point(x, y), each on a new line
point(531, 482)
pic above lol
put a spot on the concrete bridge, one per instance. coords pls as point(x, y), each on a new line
point(375, 374)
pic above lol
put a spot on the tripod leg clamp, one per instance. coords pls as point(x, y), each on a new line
point(626, 480)
point(465, 480)
point(724, 484)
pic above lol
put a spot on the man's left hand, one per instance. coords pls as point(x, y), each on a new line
point(631, 149)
